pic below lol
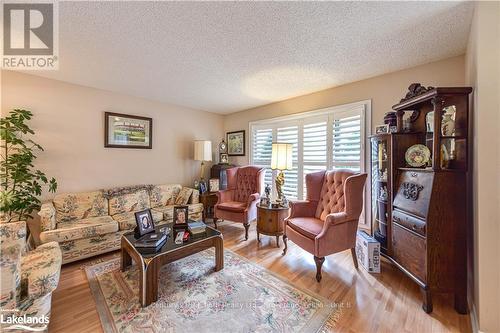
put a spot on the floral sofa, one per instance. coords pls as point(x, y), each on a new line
point(28, 278)
point(91, 223)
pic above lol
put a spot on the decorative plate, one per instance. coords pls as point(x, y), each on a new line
point(417, 155)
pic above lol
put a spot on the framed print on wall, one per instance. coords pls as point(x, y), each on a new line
point(236, 143)
point(127, 131)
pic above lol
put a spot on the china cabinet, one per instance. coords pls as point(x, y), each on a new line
point(419, 215)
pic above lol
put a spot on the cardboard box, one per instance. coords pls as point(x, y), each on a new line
point(368, 252)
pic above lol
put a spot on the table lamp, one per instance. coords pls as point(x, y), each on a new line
point(281, 159)
point(202, 152)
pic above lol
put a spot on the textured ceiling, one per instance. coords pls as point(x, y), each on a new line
point(229, 56)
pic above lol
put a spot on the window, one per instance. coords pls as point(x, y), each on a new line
point(332, 138)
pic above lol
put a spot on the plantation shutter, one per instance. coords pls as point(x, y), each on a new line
point(262, 139)
point(290, 134)
point(347, 140)
point(315, 147)
point(322, 140)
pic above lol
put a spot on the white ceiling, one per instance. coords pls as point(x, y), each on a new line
point(229, 56)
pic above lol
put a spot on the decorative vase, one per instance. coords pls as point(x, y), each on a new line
point(390, 118)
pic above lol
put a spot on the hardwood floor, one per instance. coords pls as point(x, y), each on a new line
point(386, 302)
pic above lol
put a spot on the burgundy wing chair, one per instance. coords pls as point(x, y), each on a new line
point(327, 221)
point(239, 202)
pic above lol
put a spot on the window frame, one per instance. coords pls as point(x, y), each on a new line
point(310, 117)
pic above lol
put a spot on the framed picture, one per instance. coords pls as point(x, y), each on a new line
point(236, 143)
point(203, 187)
point(144, 221)
point(127, 131)
point(180, 216)
point(224, 159)
point(213, 184)
point(380, 129)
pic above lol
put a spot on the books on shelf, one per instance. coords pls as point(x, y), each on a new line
point(196, 227)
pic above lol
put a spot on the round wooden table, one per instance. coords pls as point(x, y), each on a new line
point(270, 221)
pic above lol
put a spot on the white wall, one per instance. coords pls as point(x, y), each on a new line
point(69, 124)
point(483, 74)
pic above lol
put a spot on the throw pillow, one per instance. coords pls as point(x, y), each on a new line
point(183, 196)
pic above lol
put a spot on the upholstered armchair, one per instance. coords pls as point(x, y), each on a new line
point(27, 278)
point(327, 221)
point(238, 202)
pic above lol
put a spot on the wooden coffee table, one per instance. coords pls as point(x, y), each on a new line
point(150, 263)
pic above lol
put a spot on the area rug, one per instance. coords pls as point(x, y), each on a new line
point(243, 297)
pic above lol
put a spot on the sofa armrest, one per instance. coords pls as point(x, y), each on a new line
point(224, 196)
point(41, 269)
point(10, 280)
point(303, 208)
point(47, 215)
point(195, 196)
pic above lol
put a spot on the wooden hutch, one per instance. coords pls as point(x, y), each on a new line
point(419, 214)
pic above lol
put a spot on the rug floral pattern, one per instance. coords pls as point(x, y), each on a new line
point(243, 297)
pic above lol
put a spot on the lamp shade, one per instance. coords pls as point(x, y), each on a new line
point(281, 157)
point(202, 150)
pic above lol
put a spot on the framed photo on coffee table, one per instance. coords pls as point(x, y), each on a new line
point(144, 221)
point(181, 217)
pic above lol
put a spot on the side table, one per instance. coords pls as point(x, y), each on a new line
point(270, 221)
point(209, 199)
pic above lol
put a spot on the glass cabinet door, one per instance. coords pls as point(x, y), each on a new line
point(380, 168)
point(452, 138)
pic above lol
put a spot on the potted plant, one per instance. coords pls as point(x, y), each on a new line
point(21, 183)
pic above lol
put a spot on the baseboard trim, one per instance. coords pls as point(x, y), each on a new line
point(473, 319)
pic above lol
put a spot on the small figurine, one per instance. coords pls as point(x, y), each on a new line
point(268, 190)
point(383, 193)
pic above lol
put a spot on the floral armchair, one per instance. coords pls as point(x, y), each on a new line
point(327, 221)
point(28, 278)
point(239, 202)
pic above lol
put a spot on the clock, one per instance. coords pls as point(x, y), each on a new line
point(223, 157)
point(222, 147)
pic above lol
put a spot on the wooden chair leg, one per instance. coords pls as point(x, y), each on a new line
point(427, 300)
point(286, 247)
point(246, 225)
point(354, 257)
point(319, 262)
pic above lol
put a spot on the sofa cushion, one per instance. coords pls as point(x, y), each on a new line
point(233, 206)
point(85, 228)
point(126, 221)
point(194, 211)
point(163, 195)
point(183, 196)
point(130, 202)
point(77, 206)
point(13, 238)
point(307, 226)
